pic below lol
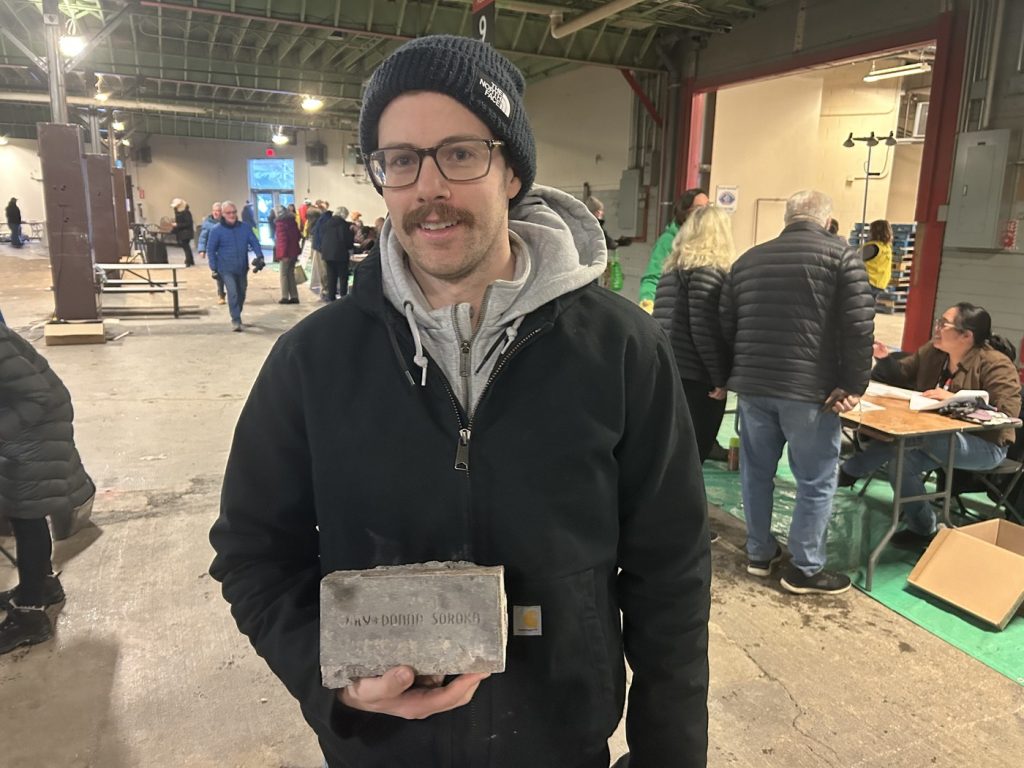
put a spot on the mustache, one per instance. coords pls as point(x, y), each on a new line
point(437, 211)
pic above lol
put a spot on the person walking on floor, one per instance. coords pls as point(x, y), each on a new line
point(14, 222)
point(468, 352)
point(286, 253)
point(205, 228)
point(686, 306)
point(336, 242)
point(184, 228)
point(316, 233)
point(688, 201)
point(41, 474)
point(227, 249)
point(798, 316)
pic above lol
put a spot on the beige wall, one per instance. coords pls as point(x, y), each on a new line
point(581, 122)
point(775, 137)
point(21, 175)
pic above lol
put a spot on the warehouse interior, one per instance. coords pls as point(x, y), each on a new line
point(632, 102)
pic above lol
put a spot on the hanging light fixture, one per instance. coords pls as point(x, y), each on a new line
point(125, 143)
point(311, 103)
point(890, 140)
point(904, 70)
point(71, 43)
point(278, 136)
point(117, 125)
point(849, 141)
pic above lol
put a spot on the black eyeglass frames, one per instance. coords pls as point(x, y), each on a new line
point(459, 160)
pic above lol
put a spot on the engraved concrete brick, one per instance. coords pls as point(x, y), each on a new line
point(438, 618)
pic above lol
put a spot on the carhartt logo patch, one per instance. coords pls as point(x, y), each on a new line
point(496, 95)
point(526, 620)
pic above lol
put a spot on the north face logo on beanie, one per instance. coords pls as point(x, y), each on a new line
point(496, 95)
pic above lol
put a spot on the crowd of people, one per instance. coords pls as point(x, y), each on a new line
point(473, 343)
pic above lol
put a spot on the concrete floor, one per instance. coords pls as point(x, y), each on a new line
point(147, 667)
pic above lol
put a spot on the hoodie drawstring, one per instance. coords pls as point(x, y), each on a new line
point(418, 358)
point(511, 332)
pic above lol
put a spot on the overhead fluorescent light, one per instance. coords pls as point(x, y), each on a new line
point(71, 45)
point(311, 103)
point(904, 70)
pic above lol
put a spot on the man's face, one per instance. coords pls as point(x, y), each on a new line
point(216, 212)
point(230, 214)
point(448, 229)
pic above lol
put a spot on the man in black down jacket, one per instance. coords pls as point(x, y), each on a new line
point(447, 410)
point(336, 243)
point(799, 316)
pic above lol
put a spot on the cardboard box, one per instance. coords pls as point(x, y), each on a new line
point(978, 568)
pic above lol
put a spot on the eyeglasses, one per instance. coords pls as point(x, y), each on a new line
point(942, 324)
point(465, 160)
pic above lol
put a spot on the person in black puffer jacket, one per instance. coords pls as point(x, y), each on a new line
point(686, 306)
point(798, 314)
point(184, 228)
point(41, 474)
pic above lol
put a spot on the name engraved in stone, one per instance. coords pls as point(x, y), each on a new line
point(438, 618)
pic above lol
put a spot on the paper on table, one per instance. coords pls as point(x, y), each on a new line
point(878, 389)
point(922, 403)
point(867, 405)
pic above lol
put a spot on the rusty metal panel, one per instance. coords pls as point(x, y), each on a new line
point(67, 221)
point(102, 216)
point(122, 215)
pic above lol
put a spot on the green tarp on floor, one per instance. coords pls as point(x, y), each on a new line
point(858, 523)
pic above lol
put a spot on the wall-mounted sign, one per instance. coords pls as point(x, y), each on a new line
point(727, 198)
point(484, 14)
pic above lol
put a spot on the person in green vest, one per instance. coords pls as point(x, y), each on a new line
point(690, 199)
point(877, 255)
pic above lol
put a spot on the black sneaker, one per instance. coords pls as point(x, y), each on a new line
point(53, 593)
point(763, 568)
point(821, 583)
point(911, 540)
point(845, 480)
point(24, 626)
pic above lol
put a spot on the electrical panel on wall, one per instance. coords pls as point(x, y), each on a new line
point(981, 194)
point(630, 202)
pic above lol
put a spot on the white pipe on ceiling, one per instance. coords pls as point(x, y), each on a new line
point(560, 29)
point(111, 103)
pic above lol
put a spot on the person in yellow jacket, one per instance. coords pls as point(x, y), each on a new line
point(690, 199)
point(877, 255)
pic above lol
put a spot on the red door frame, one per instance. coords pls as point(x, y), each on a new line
point(949, 32)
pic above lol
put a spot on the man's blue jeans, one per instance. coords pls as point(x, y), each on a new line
point(969, 452)
point(235, 284)
point(16, 236)
point(766, 425)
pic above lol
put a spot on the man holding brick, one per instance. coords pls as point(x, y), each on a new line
point(478, 398)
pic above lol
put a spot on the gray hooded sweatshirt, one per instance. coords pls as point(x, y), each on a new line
point(558, 247)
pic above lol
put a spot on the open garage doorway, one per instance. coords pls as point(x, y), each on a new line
point(854, 130)
point(767, 130)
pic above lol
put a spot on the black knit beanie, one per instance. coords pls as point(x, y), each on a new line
point(474, 74)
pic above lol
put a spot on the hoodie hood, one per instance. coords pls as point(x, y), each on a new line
point(558, 246)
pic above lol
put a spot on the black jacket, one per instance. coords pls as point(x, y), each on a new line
point(336, 239)
point(686, 306)
point(582, 461)
point(184, 227)
point(41, 472)
point(799, 316)
point(13, 213)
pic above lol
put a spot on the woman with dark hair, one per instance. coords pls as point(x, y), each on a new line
point(962, 354)
point(41, 474)
point(877, 255)
point(690, 199)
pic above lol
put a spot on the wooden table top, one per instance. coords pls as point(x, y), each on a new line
point(127, 266)
point(897, 420)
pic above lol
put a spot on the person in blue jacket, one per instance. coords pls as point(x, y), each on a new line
point(205, 229)
point(227, 250)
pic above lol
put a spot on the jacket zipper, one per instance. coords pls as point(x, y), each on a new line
point(466, 347)
point(466, 430)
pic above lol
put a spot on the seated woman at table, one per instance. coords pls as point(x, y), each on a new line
point(962, 354)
